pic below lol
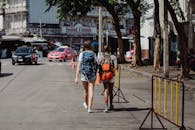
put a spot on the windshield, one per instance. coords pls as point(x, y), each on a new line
point(60, 49)
point(23, 50)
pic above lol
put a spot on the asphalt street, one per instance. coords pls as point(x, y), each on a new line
point(45, 97)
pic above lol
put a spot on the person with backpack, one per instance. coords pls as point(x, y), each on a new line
point(108, 63)
point(87, 67)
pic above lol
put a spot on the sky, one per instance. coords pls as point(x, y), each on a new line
point(37, 8)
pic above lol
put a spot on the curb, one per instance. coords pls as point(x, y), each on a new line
point(149, 75)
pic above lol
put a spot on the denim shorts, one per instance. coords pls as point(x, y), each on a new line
point(92, 77)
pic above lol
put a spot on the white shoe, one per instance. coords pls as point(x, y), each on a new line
point(85, 105)
point(106, 109)
point(89, 111)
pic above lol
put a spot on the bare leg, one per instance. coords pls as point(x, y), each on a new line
point(85, 92)
point(91, 94)
point(106, 93)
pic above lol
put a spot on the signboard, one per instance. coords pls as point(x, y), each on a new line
point(79, 30)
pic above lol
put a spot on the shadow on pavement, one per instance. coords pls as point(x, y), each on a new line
point(5, 74)
point(25, 64)
point(131, 109)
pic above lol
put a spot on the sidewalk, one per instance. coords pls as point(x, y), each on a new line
point(174, 72)
point(147, 72)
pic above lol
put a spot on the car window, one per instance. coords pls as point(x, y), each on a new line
point(60, 49)
point(72, 51)
point(68, 50)
point(23, 50)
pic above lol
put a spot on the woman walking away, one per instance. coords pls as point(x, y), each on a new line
point(108, 64)
point(87, 66)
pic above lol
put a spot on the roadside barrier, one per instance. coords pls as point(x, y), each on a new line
point(167, 102)
point(116, 88)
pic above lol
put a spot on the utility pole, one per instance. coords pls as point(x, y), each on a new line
point(190, 41)
point(107, 36)
point(100, 29)
point(40, 25)
point(165, 41)
point(163, 13)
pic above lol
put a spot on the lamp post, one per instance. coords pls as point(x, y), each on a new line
point(100, 29)
point(40, 28)
point(107, 34)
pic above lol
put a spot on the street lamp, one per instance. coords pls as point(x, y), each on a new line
point(40, 29)
point(107, 34)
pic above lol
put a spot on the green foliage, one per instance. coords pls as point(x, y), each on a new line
point(112, 1)
point(70, 8)
point(73, 8)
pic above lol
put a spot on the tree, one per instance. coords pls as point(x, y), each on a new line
point(157, 36)
point(174, 10)
point(72, 7)
point(137, 15)
point(138, 7)
point(114, 9)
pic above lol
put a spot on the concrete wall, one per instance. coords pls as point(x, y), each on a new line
point(1, 22)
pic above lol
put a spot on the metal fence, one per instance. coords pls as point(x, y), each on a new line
point(167, 102)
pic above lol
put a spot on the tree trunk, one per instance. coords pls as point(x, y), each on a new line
point(137, 46)
point(116, 24)
point(157, 54)
point(157, 37)
point(183, 40)
point(121, 58)
point(136, 14)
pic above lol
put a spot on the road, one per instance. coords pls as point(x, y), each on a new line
point(45, 97)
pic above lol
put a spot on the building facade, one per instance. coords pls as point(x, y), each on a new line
point(24, 16)
point(29, 17)
point(148, 32)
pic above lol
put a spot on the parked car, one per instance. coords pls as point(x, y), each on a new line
point(24, 55)
point(129, 55)
point(62, 53)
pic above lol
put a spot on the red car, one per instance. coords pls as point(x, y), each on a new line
point(129, 55)
point(62, 53)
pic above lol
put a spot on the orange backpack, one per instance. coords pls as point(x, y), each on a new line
point(107, 68)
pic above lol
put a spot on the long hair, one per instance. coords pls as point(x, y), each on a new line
point(107, 49)
point(86, 45)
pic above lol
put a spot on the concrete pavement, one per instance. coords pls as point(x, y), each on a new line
point(174, 73)
point(45, 97)
point(147, 71)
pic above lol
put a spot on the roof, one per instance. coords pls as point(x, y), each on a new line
point(63, 47)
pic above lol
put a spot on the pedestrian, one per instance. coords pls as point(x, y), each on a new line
point(87, 67)
point(107, 75)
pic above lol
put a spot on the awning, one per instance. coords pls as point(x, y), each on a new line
point(39, 43)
